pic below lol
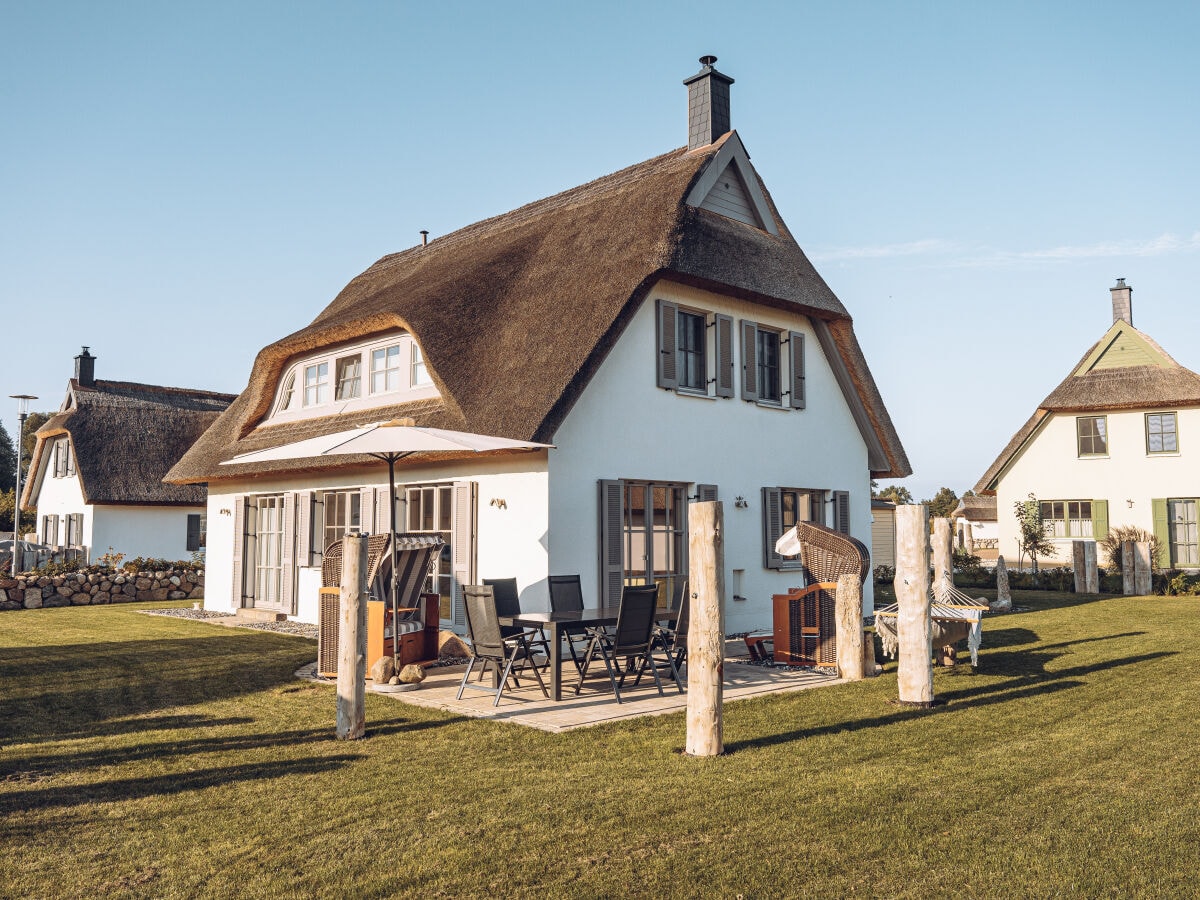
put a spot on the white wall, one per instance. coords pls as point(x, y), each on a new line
point(625, 427)
point(511, 539)
point(61, 497)
point(149, 531)
point(1050, 469)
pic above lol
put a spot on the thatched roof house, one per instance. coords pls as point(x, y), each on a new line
point(113, 441)
point(1105, 447)
point(595, 320)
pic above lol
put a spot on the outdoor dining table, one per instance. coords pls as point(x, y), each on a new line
point(556, 624)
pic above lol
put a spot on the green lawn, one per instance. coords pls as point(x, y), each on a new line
point(148, 756)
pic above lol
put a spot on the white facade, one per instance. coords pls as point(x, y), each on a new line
point(1128, 479)
point(539, 514)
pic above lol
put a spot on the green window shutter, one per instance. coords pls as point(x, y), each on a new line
point(1099, 519)
point(1162, 531)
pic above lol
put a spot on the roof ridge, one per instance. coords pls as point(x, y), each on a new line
point(152, 388)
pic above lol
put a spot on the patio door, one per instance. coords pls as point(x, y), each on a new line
point(649, 546)
point(1184, 545)
point(268, 551)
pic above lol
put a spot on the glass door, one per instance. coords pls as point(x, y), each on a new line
point(1182, 517)
point(268, 551)
point(655, 525)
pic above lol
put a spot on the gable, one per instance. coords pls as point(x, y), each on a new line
point(729, 187)
point(1122, 347)
point(729, 197)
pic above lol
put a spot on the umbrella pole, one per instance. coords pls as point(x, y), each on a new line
point(395, 581)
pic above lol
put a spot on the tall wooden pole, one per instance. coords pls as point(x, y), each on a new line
point(706, 628)
point(1142, 582)
point(1092, 582)
point(943, 555)
point(352, 640)
point(913, 624)
point(1079, 563)
point(849, 628)
point(1127, 583)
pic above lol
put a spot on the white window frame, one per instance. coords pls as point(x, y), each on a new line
point(418, 374)
point(318, 384)
point(348, 377)
point(389, 372)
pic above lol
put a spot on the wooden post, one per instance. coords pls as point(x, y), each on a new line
point(943, 556)
point(352, 640)
point(1091, 584)
point(1003, 601)
point(969, 537)
point(849, 629)
point(1079, 564)
point(1142, 582)
point(706, 628)
point(913, 624)
point(1127, 565)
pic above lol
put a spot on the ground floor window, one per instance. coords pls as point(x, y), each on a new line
point(782, 509)
point(1182, 522)
point(197, 532)
point(1067, 518)
point(336, 514)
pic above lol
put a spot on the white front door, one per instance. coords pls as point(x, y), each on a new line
point(268, 552)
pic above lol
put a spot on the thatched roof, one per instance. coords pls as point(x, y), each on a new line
point(976, 508)
point(1098, 384)
point(125, 437)
point(514, 314)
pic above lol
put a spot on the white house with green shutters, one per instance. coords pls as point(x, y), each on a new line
point(1109, 447)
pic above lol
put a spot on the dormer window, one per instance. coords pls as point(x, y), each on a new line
point(316, 384)
point(385, 369)
point(419, 374)
point(288, 393)
point(349, 380)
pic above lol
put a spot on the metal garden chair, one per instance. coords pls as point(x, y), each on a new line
point(630, 641)
point(490, 647)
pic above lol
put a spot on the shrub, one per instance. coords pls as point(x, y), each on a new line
point(1121, 533)
point(885, 574)
point(143, 564)
point(1183, 584)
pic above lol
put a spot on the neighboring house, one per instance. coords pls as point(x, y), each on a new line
point(659, 325)
point(1116, 443)
point(96, 472)
point(883, 532)
point(976, 515)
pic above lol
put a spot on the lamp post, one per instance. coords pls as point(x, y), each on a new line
point(22, 413)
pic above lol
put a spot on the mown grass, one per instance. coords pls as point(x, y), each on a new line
point(145, 756)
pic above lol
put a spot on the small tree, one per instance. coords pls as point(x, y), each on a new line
point(944, 502)
point(1031, 532)
point(897, 493)
point(35, 421)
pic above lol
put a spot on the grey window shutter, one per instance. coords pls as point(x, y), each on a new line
point(463, 545)
point(70, 457)
point(379, 504)
point(193, 532)
point(772, 513)
point(304, 528)
point(749, 360)
point(724, 372)
point(796, 345)
point(239, 551)
point(287, 577)
point(841, 511)
point(612, 544)
point(668, 320)
point(706, 492)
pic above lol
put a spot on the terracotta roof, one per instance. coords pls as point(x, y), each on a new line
point(124, 438)
point(1165, 385)
point(514, 314)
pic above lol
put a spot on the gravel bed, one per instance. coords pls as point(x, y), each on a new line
point(187, 613)
point(299, 629)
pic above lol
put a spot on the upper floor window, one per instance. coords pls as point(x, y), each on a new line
point(420, 375)
point(385, 369)
point(1161, 433)
point(764, 379)
point(349, 377)
point(1092, 435)
point(62, 460)
point(316, 384)
point(769, 389)
point(687, 359)
point(287, 393)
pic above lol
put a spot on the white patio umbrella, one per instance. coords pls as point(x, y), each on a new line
point(388, 441)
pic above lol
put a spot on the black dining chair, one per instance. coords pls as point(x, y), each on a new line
point(670, 641)
point(490, 647)
point(566, 595)
point(508, 603)
point(627, 649)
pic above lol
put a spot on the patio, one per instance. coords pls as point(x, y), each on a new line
point(595, 704)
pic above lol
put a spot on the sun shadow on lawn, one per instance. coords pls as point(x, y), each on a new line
point(1018, 688)
point(166, 785)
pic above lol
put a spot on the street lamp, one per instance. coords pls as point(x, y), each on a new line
point(23, 411)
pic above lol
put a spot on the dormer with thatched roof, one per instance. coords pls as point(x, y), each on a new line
point(98, 464)
point(660, 325)
point(1108, 446)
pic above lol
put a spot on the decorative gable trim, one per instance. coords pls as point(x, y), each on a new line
point(1121, 347)
point(876, 457)
point(731, 166)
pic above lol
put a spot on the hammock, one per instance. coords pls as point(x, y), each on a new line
point(954, 616)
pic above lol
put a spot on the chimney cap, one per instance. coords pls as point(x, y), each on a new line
point(707, 60)
point(1120, 284)
point(707, 63)
point(84, 352)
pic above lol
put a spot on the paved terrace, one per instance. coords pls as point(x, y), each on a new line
point(595, 704)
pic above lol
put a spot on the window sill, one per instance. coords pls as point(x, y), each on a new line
point(1168, 454)
point(1093, 456)
point(770, 404)
point(697, 395)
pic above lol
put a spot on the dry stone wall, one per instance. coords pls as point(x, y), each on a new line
point(92, 588)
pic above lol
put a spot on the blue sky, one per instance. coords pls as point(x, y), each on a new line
point(182, 184)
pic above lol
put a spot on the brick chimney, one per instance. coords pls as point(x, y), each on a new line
point(85, 369)
point(1122, 299)
point(708, 104)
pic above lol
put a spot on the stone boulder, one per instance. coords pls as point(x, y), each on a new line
point(383, 670)
point(412, 674)
point(451, 646)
